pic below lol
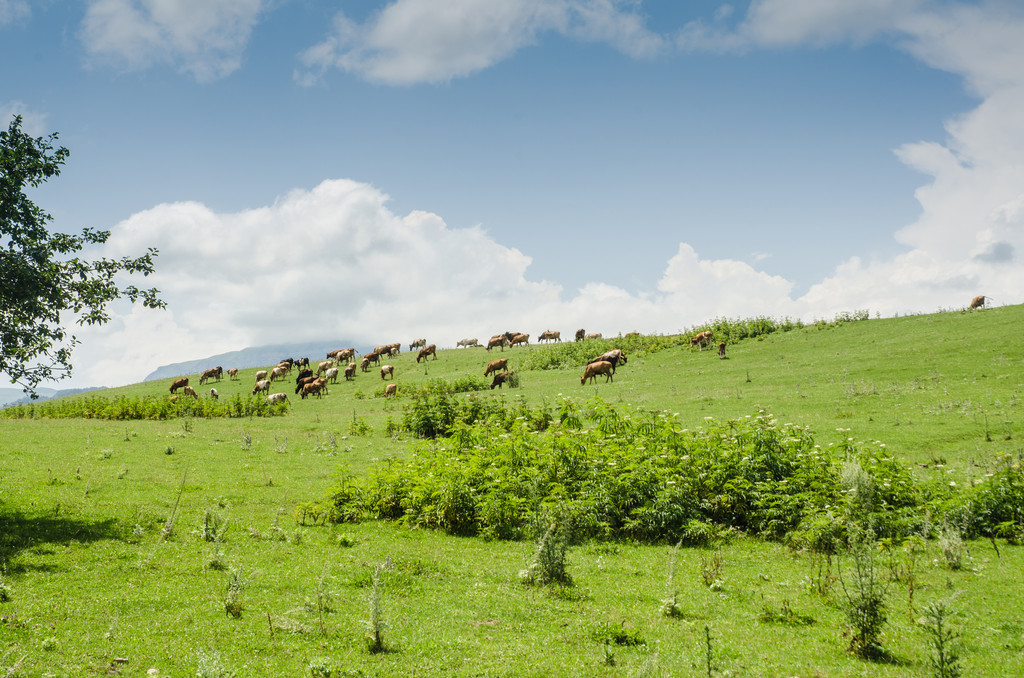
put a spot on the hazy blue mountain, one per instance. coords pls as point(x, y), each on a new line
point(15, 396)
point(257, 356)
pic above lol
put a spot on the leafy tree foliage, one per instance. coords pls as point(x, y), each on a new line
point(41, 274)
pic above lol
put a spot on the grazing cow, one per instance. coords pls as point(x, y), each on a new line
point(721, 349)
point(550, 335)
point(581, 334)
point(261, 375)
point(387, 369)
point(614, 356)
point(427, 350)
point(214, 394)
point(391, 389)
point(364, 363)
point(303, 374)
point(500, 378)
point(593, 335)
point(233, 373)
point(703, 339)
point(316, 387)
point(497, 340)
point(302, 382)
point(468, 342)
point(189, 391)
point(341, 355)
point(179, 383)
point(350, 371)
point(302, 362)
point(632, 334)
point(496, 365)
point(594, 369)
point(275, 398)
point(373, 357)
point(263, 385)
point(417, 343)
point(290, 361)
point(519, 339)
point(286, 365)
point(332, 375)
point(279, 372)
point(212, 373)
point(978, 302)
point(324, 366)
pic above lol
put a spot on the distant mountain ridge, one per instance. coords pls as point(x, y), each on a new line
point(15, 396)
point(255, 356)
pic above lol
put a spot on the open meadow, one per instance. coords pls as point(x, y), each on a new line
point(711, 515)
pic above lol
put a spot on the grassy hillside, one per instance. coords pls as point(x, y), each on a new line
point(112, 550)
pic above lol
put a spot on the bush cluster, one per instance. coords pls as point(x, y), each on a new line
point(148, 407)
point(646, 478)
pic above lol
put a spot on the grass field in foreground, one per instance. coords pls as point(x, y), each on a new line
point(92, 582)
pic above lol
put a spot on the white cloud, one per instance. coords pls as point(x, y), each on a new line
point(970, 231)
point(411, 41)
point(13, 10)
point(32, 123)
point(205, 38)
point(335, 263)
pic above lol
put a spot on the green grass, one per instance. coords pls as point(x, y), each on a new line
point(92, 579)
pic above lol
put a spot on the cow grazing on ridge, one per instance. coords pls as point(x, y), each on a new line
point(468, 342)
point(500, 378)
point(179, 383)
point(427, 351)
point(581, 334)
point(594, 369)
point(550, 335)
point(496, 366)
point(702, 340)
point(977, 302)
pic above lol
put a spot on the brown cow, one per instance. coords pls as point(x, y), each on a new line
point(427, 350)
point(212, 373)
point(350, 371)
point(614, 356)
point(721, 349)
point(497, 340)
point(580, 334)
point(390, 390)
point(233, 373)
point(179, 383)
point(500, 378)
point(519, 339)
point(387, 369)
point(594, 369)
point(550, 335)
point(189, 391)
point(978, 302)
point(263, 385)
point(315, 387)
point(496, 365)
point(703, 339)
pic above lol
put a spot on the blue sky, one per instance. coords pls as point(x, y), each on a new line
point(459, 168)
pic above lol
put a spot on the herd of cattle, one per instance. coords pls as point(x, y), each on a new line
point(313, 382)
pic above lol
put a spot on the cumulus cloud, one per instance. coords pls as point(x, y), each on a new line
point(205, 38)
point(971, 223)
point(13, 10)
point(32, 123)
point(412, 41)
point(334, 263)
